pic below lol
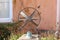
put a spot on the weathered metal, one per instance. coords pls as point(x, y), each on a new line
point(32, 16)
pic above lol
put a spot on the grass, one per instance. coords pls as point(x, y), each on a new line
point(14, 36)
point(43, 37)
point(49, 37)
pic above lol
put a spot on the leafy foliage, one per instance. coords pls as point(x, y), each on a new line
point(6, 29)
point(4, 33)
point(14, 36)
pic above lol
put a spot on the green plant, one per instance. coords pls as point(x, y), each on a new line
point(49, 37)
point(14, 36)
point(43, 38)
point(7, 28)
point(4, 33)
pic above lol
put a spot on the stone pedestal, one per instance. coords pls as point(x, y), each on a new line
point(34, 37)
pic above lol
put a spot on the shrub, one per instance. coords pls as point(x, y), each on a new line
point(4, 33)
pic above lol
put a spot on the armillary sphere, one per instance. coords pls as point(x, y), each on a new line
point(29, 17)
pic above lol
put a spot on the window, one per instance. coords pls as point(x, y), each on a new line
point(5, 11)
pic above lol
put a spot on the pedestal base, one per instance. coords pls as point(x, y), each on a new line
point(34, 37)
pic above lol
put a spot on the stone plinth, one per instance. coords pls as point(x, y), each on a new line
point(34, 37)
